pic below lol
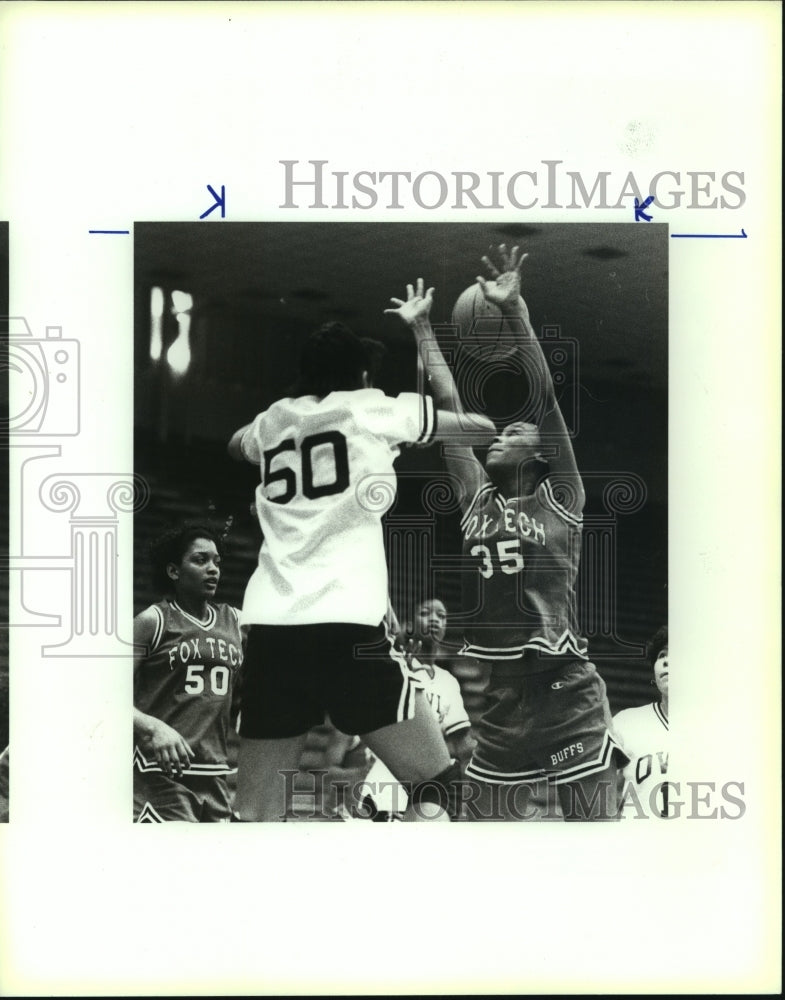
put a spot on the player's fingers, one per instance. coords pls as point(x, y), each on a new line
point(481, 282)
point(420, 286)
point(409, 292)
point(397, 302)
point(491, 266)
point(503, 254)
point(429, 294)
point(513, 258)
point(523, 258)
point(165, 761)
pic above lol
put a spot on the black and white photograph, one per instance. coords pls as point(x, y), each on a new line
point(500, 543)
point(390, 384)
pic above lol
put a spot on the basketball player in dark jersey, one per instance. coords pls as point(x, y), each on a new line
point(190, 651)
point(547, 714)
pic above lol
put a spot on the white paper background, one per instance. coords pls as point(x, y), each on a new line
point(116, 113)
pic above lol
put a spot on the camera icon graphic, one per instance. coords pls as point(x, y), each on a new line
point(43, 377)
point(562, 356)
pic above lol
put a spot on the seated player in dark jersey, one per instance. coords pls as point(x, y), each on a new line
point(316, 602)
point(547, 714)
point(189, 653)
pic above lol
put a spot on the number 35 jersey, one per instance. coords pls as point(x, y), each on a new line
point(186, 681)
point(520, 564)
point(327, 478)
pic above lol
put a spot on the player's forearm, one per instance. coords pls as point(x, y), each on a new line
point(461, 745)
point(391, 619)
point(465, 429)
point(440, 377)
point(550, 420)
point(144, 725)
point(517, 315)
point(235, 444)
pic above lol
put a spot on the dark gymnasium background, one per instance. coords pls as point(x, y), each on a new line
point(249, 294)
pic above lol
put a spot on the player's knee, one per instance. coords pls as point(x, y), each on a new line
point(443, 791)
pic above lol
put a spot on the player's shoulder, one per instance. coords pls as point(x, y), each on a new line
point(631, 715)
point(282, 408)
point(224, 610)
point(446, 683)
point(445, 676)
point(149, 624)
point(152, 614)
point(560, 497)
point(485, 495)
point(359, 399)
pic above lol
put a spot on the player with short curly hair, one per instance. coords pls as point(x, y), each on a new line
point(644, 732)
point(189, 652)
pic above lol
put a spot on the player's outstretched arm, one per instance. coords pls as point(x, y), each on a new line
point(457, 429)
point(504, 290)
point(168, 747)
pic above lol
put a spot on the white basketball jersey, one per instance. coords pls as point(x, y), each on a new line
point(443, 693)
point(644, 734)
point(327, 478)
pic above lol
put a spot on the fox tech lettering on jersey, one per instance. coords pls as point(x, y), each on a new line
point(521, 524)
point(219, 649)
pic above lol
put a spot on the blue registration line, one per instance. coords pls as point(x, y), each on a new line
point(709, 236)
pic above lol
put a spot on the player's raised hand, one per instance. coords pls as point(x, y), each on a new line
point(169, 748)
point(417, 305)
point(504, 288)
point(409, 645)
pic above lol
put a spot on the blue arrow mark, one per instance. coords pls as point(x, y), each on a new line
point(220, 202)
point(709, 236)
point(639, 213)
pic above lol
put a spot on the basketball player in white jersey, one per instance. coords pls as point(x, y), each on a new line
point(644, 734)
point(386, 800)
point(317, 600)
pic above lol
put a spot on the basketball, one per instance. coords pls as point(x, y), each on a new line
point(482, 331)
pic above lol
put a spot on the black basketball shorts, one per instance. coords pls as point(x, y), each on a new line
point(294, 674)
